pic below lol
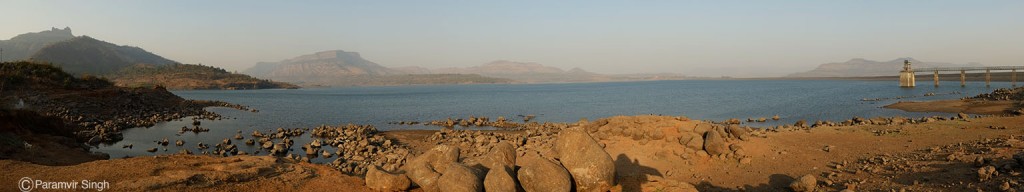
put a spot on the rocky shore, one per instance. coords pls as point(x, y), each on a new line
point(90, 110)
point(961, 152)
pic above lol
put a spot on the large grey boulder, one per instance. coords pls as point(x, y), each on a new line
point(459, 178)
point(589, 165)
point(714, 144)
point(500, 179)
point(538, 174)
point(379, 180)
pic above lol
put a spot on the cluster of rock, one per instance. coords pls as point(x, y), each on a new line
point(101, 115)
point(1002, 94)
point(284, 142)
point(800, 125)
point(975, 165)
point(537, 137)
point(359, 148)
point(500, 122)
point(929, 94)
point(581, 163)
point(704, 140)
point(763, 119)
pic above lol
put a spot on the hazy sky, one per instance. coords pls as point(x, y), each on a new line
point(709, 38)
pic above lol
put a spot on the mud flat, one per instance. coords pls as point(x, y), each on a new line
point(1000, 101)
point(955, 106)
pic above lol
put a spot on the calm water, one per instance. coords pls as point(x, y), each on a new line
point(834, 100)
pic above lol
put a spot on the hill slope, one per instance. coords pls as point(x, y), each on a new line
point(85, 55)
point(190, 76)
point(124, 65)
point(868, 68)
point(22, 46)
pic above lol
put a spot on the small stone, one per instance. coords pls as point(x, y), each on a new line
point(805, 183)
point(745, 160)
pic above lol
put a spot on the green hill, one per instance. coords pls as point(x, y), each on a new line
point(85, 55)
point(190, 76)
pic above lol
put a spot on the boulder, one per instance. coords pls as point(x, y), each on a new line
point(459, 178)
point(714, 144)
point(500, 180)
point(738, 132)
point(702, 127)
point(986, 173)
point(538, 174)
point(696, 141)
point(502, 154)
point(963, 116)
point(805, 183)
point(426, 169)
point(800, 124)
point(380, 180)
point(590, 166)
point(441, 155)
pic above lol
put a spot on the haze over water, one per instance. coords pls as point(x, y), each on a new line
point(834, 100)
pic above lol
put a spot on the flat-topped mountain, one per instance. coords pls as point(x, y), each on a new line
point(22, 46)
point(341, 68)
point(320, 65)
point(526, 72)
point(504, 67)
point(867, 68)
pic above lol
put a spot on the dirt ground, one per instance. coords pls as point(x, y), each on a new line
point(934, 156)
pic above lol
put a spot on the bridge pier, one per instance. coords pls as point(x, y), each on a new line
point(988, 78)
point(907, 74)
point(963, 78)
point(1013, 77)
point(907, 79)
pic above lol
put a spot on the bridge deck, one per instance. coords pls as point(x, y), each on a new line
point(931, 69)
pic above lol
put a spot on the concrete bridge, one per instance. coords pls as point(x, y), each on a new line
point(907, 74)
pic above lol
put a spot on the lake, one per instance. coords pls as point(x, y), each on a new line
point(792, 100)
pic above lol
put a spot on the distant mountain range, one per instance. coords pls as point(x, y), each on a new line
point(333, 68)
point(867, 68)
point(124, 65)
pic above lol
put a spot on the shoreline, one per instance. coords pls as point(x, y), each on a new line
point(833, 154)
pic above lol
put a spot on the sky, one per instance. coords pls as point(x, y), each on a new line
point(700, 38)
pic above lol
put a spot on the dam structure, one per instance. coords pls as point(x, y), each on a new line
point(907, 74)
